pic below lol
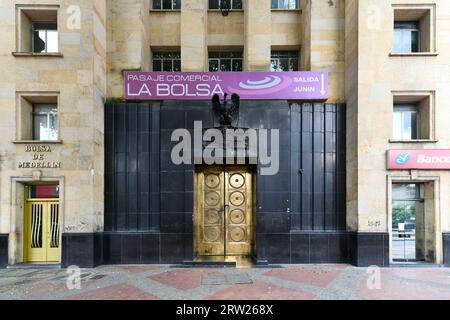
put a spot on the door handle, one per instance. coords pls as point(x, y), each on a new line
point(221, 209)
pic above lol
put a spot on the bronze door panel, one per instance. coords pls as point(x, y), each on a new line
point(209, 222)
point(223, 221)
point(239, 208)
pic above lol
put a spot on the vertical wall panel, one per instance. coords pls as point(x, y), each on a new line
point(320, 166)
point(131, 167)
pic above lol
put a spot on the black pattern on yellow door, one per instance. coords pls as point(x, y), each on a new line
point(42, 234)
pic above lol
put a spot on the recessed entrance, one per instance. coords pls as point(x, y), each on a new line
point(409, 224)
point(41, 224)
point(224, 220)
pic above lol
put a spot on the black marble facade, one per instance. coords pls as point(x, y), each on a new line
point(300, 214)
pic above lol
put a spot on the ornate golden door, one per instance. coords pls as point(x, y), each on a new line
point(224, 220)
point(41, 236)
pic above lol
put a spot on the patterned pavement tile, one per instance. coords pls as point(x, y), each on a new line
point(289, 282)
point(260, 290)
point(40, 288)
point(122, 291)
point(431, 275)
point(402, 290)
point(183, 279)
point(318, 277)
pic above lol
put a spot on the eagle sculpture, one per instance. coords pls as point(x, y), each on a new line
point(226, 112)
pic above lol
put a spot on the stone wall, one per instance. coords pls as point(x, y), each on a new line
point(77, 79)
point(370, 86)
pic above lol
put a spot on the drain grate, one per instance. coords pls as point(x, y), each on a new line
point(243, 278)
point(230, 279)
point(214, 280)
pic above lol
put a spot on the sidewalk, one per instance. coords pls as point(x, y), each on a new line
point(285, 282)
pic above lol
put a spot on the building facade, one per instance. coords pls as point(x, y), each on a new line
point(87, 175)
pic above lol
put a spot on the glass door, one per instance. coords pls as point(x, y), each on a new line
point(408, 223)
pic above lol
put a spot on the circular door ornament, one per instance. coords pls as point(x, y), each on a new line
point(237, 216)
point(211, 216)
point(211, 234)
point(237, 180)
point(212, 180)
point(212, 198)
point(237, 198)
point(237, 234)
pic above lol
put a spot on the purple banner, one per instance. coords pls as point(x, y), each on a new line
point(248, 85)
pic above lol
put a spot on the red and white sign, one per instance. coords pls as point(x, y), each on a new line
point(438, 159)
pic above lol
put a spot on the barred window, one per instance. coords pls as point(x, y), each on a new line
point(225, 61)
point(166, 4)
point(284, 61)
point(217, 4)
point(167, 61)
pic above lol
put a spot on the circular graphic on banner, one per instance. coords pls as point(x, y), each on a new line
point(237, 216)
point(212, 180)
point(237, 198)
point(212, 198)
point(262, 85)
point(237, 234)
point(237, 180)
point(211, 216)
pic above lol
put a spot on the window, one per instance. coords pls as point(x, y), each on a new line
point(284, 61)
point(43, 191)
point(414, 30)
point(37, 30)
point(166, 61)
point(45, 37)
point(218, 4)
point(37, 116)
point(406, 122)
point(166, 4)
point(413, 116)
point(406, 37)
point(225, 61)
point(45, 119)
point(285, 4)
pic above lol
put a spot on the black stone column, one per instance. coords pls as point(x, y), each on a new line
point(446, 248)
point(369, 249)
point(3, 250)
point(81, 249)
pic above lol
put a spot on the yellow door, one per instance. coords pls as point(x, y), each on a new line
point(223, 220)
point(42, 231)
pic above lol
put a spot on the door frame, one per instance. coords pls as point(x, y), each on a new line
point(419, 179)
point(17, 214)
point(196, 189)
